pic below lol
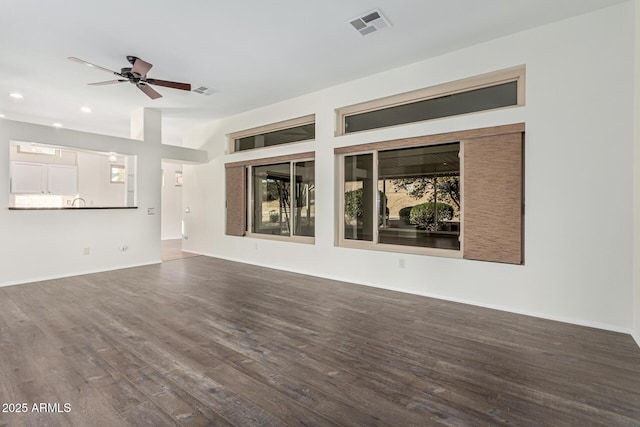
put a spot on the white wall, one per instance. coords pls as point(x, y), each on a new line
point(171, 203)
point(49, 243)
point(578, 263)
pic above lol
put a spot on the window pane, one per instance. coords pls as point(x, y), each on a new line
point(117, 174)
point(487, 98)
point(283, 136)
point(358, 197)
point(304, 199)
point(420, 196)
point(271, 199)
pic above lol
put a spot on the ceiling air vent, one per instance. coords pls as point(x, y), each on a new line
point(370, 22)
point(203, 90)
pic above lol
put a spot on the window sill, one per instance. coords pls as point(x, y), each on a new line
point(414, 250)
point(290, 239)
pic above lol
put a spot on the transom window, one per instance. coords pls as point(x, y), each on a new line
point(286, 132)
point(471, 101)
point(499, 89)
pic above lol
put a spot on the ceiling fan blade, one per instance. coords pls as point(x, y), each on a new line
point(89, 64)
point(149, 91)
point(166, 83)
point(141, 67)
point(108, 82)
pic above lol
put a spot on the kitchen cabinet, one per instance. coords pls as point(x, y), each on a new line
point(62, 179)
point(40, 178)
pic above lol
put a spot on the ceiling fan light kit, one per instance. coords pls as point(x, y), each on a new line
point(136, 75)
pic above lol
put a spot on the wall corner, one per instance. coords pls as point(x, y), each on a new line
point(636, 175)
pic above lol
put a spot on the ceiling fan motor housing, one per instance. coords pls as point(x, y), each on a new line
point(127, 74)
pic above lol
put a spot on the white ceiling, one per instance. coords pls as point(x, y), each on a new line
point(253, 52)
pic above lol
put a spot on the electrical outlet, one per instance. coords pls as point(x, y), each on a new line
point(86, 251)
point(401, 263)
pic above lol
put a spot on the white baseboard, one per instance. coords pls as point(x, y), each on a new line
point(636, 337)
point(573, 321)
point(196, 253)
point(546, 316)
point(614, 328)
point(77, 273)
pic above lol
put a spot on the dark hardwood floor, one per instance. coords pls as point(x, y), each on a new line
point(202, 341)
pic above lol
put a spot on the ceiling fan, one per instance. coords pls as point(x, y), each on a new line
point(137, 75)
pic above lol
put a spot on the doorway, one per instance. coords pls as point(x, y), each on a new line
point(171, 214)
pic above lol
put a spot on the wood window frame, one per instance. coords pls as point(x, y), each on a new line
point(478, 242)
point(506, 75)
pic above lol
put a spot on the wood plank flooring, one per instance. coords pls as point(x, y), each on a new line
point(206, 342)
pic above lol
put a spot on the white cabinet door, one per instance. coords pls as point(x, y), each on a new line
point(63, 180)
point(28, 178)
point(39, 178)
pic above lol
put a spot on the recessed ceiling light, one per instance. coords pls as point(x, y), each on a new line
point(16, 95)
point(85, 109)
point(58, 125)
